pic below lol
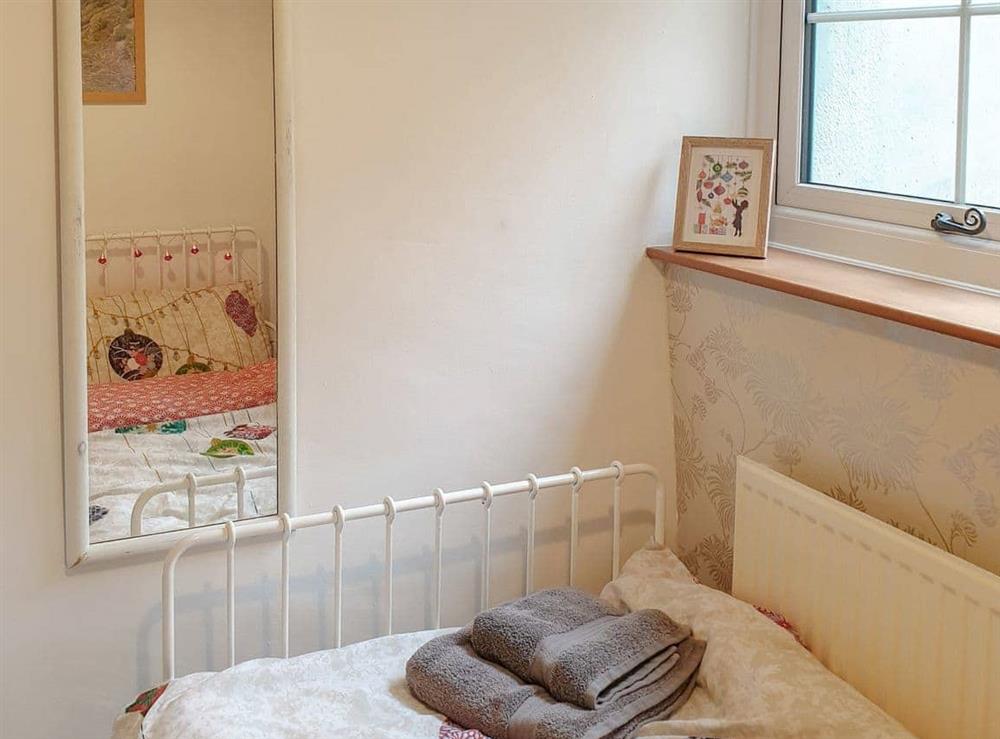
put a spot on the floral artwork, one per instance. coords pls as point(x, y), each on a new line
point(723, 194)
point(897, 422)
point(113, 55)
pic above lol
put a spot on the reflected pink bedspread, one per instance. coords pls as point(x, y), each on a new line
point(180, 396)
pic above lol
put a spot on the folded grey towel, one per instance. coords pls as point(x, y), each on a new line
point(448, 675)
point(580, 649)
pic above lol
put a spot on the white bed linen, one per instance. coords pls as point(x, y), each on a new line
point(755, 681)
point(358, 691)
point(123, 465)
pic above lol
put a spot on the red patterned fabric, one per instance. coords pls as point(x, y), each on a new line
point(145, 701)
point(180, 396)
point(449, 730)
point(782, 622)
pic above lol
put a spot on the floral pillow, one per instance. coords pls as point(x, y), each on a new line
point(153, 333)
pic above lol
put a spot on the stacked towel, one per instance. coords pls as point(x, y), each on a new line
point(558, 664)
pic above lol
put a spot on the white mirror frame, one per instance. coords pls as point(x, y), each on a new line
point(72, 266)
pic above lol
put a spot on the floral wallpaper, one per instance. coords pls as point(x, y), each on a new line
point(901, 423)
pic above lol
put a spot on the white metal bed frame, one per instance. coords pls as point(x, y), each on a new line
point(163, 241)
point(285, 525)
point(913, 628)
point(101, 243)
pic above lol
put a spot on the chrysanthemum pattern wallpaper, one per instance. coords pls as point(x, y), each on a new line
point(901, 423)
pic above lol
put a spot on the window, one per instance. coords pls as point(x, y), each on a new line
point(890, 112)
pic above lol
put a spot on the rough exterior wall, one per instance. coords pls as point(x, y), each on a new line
point(901, 423)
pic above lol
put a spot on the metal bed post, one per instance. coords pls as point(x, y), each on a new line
point(390, 517)
point(231, 589)
point(487, 532)
point(338, 572)
point(616, 525)
point(241, 484)
point(529, 575)
point(574, 509)
point(192, 493)
point(439, 505)
point(286, 535)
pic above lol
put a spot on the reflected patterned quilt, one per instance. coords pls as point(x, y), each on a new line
point(126, 460)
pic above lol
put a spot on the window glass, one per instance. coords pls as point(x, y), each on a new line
point(882, 111)
point(983, 168)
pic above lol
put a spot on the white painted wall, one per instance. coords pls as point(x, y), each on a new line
point(475, 185)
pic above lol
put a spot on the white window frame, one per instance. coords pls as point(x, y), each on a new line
point(886, 232)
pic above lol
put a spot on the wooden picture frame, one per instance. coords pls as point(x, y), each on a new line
point(116, 93)
point(724, 193)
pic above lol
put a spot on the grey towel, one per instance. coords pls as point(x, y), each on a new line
point(448, 675)
point(579, 648)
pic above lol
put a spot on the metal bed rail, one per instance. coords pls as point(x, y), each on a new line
point(389, 509)
point(191, 482)
point(189, 247)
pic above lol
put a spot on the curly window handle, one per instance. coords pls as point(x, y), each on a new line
point(975, 223)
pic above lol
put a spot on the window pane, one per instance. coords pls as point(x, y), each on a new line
point(884, 98)
point(834, 6)
point(983, 168)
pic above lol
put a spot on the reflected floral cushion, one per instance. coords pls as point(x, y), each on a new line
point(153, 333)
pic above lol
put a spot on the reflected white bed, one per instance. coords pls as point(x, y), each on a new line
point(182, 381)
point(127, 460)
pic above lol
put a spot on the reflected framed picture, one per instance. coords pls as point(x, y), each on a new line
point(724, 193)
point(113, 47)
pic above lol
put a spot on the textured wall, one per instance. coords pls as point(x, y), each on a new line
point(898, 422)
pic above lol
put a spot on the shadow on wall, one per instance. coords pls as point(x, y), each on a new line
point(895, 421)
point(259, 602)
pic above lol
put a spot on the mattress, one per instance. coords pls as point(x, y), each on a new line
point(756, 680)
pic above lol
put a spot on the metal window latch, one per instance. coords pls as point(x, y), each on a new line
point(975, 223)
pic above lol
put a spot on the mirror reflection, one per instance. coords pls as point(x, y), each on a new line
point(180, 259)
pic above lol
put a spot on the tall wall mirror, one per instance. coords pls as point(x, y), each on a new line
point(174, 272)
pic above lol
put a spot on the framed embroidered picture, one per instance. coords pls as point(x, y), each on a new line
point(724, 196)
point(113, 45)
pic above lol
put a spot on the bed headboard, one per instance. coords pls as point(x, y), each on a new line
point(915, 629)
point(180, 258)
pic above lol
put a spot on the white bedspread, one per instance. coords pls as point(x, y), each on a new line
point(357, 691)
point(122, 465)
point(755, 681)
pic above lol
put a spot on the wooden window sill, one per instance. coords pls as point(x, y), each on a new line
point(947, 310)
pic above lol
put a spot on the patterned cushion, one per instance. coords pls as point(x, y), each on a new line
point(165, 332)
